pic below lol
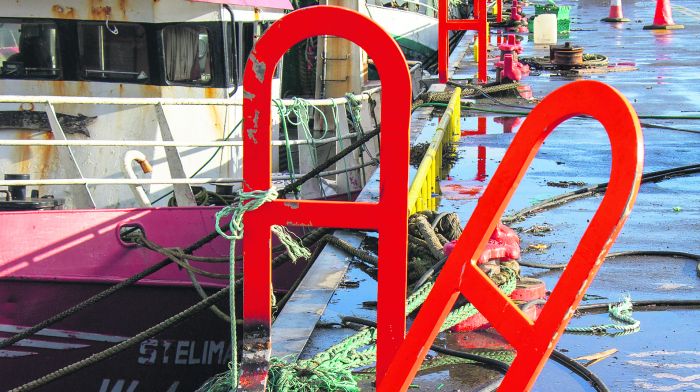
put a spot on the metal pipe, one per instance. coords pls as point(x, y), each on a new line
point(101, 48)
point(38, 99)
point(159, 143)
point(196, 181)
point(140, 158)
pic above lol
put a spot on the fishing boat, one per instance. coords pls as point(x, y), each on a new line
point(413, 24)
point(91, 88)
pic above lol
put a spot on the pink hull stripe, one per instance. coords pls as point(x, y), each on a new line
point(83, 245)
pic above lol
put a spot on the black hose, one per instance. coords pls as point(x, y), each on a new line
point(501, 366)
point(663, 253)
point(488, 362)
point(556, 201)
point(647, 305)
point(580, 370)
point(429, 273)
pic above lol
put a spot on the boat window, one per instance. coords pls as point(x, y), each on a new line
point(29, 50)
point(187, 54)
point(113, 51)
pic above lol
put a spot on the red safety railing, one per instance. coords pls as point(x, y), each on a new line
point(399, 358)
point(388, 216)
point(445, 25)
point(534, 341)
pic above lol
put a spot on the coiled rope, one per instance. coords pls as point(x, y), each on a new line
point(621, 312)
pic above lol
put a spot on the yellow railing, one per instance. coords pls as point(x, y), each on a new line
point(425, 184)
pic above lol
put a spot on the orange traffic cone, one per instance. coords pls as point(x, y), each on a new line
point(615, 12)
point(663, 20)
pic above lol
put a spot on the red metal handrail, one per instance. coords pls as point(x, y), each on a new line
point(534, 341)
point(445, 25)
point(389, 216)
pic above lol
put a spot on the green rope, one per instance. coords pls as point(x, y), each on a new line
point(621, 312)
point(288, 148)
point(248, 201)
point(298, 114)
point(331, 370)
point(336, 124)
point(355, 117)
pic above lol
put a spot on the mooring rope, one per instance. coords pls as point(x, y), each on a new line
point(331, 370)
point(621, 312)
point(249, 201)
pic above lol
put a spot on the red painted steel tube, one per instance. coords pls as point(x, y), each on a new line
point(534, 341)
point(389, 216)
point(478, 24)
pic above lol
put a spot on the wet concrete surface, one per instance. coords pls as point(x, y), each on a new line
point(665, 354)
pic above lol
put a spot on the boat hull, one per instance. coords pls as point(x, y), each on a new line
point(179, 359)
point(416, 34)
point(52, 260)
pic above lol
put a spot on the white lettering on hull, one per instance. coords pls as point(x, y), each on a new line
point(118, 385)
point(183, 352)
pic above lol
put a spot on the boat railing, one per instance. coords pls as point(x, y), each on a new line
point(425, 185)
point(418, 4)
point(352, 166)
point(38, 99)
point(422, 4)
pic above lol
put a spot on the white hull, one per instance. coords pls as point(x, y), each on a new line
point(416, 32)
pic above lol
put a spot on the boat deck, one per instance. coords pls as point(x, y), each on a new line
point(663, 355)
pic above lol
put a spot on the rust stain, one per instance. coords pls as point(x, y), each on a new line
point(210, 93)
point(123, 6)
point(214, 112)
point(83, 89)
point(99, 11)
point(25, 154)
point(213, 93)
point(149, 91)
point(58, 88)
point(46, 154)
point(63, 12)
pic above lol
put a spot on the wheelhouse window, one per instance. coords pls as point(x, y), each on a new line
point(113, 52)
point(187, 52)
point(29, 50)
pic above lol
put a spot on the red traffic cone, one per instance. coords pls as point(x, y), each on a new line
point(663, 20)
point(615, 12)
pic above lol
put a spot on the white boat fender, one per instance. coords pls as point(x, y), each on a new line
point(129, 157)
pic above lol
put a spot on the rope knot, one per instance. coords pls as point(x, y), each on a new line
point(248, 201)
